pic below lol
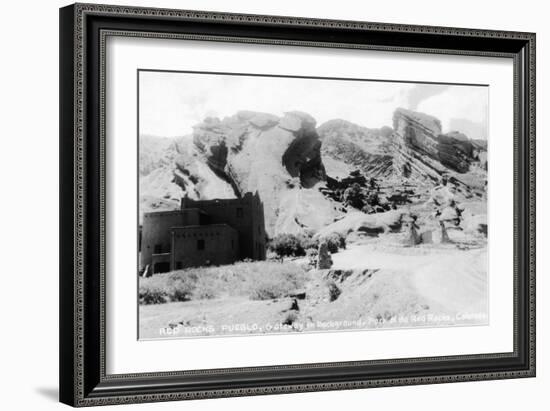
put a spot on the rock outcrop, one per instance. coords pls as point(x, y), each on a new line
point(324, 260)
point(422, 133)
point(347, 147)
point(279, 158)
point(172, 168)
point(308, 177)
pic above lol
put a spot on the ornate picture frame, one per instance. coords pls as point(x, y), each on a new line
point(84, 30)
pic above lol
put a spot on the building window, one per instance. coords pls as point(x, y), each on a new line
point(179, 265)
point(200, 244)
point(158, 249)
point(240, 212)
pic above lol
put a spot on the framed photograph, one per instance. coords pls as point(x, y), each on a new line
point(262, 204)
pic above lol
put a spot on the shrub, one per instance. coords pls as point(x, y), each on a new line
point(286, 245)
point(335, 241)
point(290, 245)
point(308, 242)
point(181, 287)
point(162, 288)
point(151, 295)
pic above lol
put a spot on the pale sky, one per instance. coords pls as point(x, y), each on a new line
point(172, 103)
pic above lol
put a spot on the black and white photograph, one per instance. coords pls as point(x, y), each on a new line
point(278, 204)
point(275, 206)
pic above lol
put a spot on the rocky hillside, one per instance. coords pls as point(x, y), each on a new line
point(420, 134)
point(302, 172)
point(414, 149)
point(279, 158)
point(423, 152)
point(157, 190)
point(348, 147)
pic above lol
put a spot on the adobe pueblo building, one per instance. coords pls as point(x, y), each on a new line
point(202, 233)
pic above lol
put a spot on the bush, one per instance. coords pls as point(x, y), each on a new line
point(335, 241)
point(287, 245)
point(163, 288)
point(151, 295)
point(182, 287)
point(309, 242)
point(290, 245)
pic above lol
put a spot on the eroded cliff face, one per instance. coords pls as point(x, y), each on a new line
point(279, 158)
point(299, 169)
point(172, 168)
point(422, 133)
point(157, 189)
point(348, 147)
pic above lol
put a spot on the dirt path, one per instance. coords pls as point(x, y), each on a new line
point(379, 286)
point(455, 279)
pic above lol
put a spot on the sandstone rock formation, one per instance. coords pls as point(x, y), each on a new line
point(365, 224)
point(157, 189)
point(304, 174)
point(347, 147)
point(279, 158)
point(170, 168)
point(421, 133)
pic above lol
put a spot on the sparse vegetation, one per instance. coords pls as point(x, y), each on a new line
point(260, 280)
point(287, 245)
point(152, 294)
point(163, 288)
point(273, 280)
point(290, 245)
